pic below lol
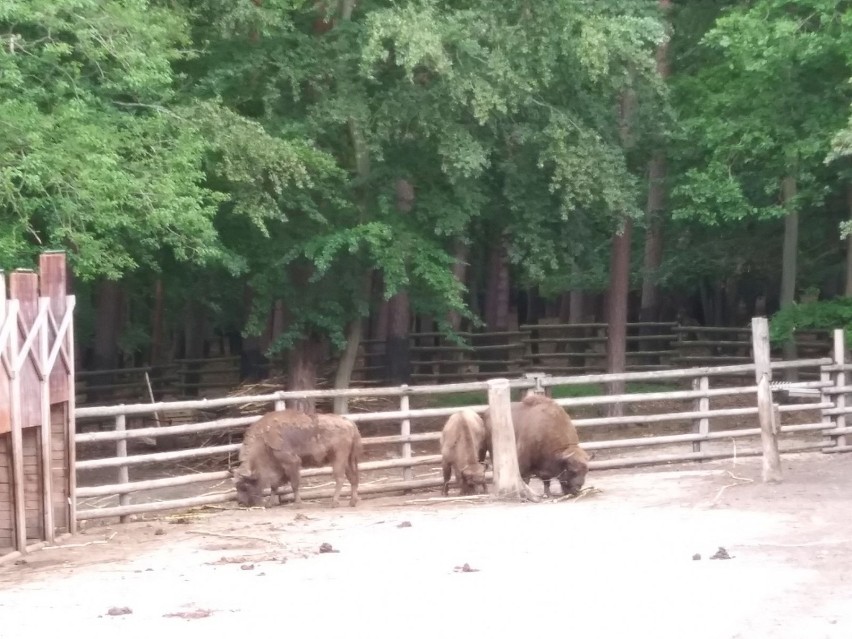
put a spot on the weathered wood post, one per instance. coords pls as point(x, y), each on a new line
point(507, 475)
point(405, 433)
point(701, 425)
point(769, 425)
point(840, 381)
point(123, 476)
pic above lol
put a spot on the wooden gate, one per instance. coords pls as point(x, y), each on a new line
point(37, 483)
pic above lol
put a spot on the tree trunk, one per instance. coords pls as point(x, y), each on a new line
point(460, 273)
point(619, 287)
point(343, 375)
point(107, 330)
point(788, 267)
point(848, 284)
point(193, 346)
point(107, 327)
point(649, 307)
point(576, 311)
point(397, 352)
point(155, 356)
point(616, 353)
point(378, 330)
point(252, 358)
point(302, 366)
point(497, 289)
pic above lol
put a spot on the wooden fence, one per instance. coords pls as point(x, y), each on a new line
point(36, 407)
point(811, 417)
point(557, 349)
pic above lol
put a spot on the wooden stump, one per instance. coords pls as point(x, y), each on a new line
point(508, 484)
point(768, 426)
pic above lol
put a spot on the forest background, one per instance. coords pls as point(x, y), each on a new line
point(295, 176)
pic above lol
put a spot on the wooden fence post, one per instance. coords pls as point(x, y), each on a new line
point(16, 433)
point(765, 410)
point(405, 431)
point(539, 388)
point(839, 381)
point(46, 425)
point(701, 426)
point(123, 472)
point(507, 475)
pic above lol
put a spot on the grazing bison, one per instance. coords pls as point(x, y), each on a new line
point(277, 446)
point(463, 447)
point(547, 444)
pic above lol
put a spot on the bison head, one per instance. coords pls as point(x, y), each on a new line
point(474, 474)
point(249, 492)
point(573, 473)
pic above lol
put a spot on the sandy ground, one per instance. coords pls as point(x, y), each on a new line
point(614, 563)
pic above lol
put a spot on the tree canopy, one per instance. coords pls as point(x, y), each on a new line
point(283, 168)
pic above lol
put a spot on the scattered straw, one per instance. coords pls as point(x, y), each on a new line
point(210, 533)
point(432, 500)
point(591, 490)
point(88, 543)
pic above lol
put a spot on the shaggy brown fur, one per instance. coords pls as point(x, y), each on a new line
point(547, 443)
point(280, 443)
point(463, 447)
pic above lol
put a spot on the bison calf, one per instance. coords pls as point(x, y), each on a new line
point(547, 443)
point(279, 444)
point(463, 447)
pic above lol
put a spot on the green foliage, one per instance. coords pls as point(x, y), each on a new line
point(826, 315)
point(761, 101)
point(91, 159)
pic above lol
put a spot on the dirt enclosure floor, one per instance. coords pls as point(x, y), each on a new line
point(614, 563)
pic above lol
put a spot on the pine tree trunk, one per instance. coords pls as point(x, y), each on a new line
point(616, 354)
point(193, 346)
point(378, 330)
point(848, 284)
point(343, 374)
point(252, 358)
point(155, 356)
point(788, 267)
point(649, 307)
point(576, 312)
point(398, 355)
point(460, 273)
point(497, 290)
point(107, 330)
point(107, 327)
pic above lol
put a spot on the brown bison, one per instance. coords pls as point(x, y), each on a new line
point(464, 443)
point(277, 446)
point(547, 444)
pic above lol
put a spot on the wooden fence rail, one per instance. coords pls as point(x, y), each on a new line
point(814, 421)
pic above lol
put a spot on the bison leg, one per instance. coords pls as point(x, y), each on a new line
point(448, 471)
point(546, 483)
point(294, 473)
point(338, 472)
point(351, 470)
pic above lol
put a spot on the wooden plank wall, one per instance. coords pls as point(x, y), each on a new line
point(7, 511)
point(47, 462)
